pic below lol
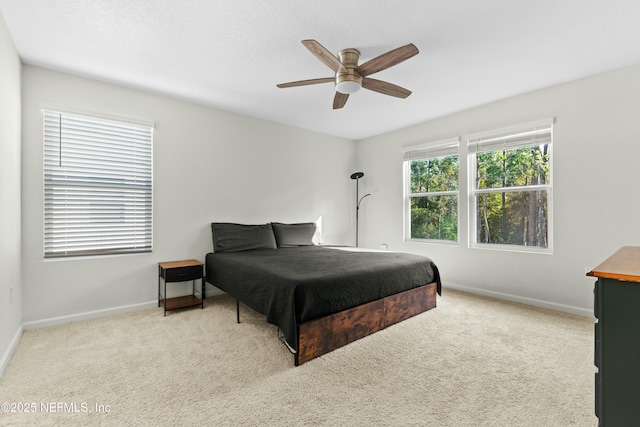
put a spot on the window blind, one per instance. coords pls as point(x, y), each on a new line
point(97, 186)
point(444, 148)
point(526, 136)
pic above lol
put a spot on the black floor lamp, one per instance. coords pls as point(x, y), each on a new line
point(357, 176)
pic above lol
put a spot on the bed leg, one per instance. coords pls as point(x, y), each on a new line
point(238, 311)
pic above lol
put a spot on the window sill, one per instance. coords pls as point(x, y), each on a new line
point(433, 242)
point(512, 248)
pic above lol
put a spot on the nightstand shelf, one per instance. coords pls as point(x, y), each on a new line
point(181, 271)
point(181, 302)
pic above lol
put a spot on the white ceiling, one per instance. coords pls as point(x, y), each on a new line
point(230, 54)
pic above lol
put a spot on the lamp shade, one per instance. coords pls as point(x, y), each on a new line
point(348, 87)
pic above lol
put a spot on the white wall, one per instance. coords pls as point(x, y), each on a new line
point(209, 165)
point(595, 190)
point(10, 246)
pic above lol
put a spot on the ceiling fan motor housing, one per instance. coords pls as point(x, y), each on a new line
point(350, 81)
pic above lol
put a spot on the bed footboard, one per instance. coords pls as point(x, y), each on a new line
point(320, 336)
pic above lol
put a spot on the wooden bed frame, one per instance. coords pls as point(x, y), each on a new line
point(320, 336)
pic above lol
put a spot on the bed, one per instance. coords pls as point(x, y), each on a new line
point(320, 297)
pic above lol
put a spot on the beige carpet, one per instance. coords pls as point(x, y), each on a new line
point(471, 361)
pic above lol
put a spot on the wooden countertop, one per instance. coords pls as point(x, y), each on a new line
point(622, 265)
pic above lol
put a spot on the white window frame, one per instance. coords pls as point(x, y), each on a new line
point(96, 166)
point(519, 136)
point(431, 150)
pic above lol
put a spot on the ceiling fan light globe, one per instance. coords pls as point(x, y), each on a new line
point(348, 87)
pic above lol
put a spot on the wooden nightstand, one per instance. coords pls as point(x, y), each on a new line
point(181, 271)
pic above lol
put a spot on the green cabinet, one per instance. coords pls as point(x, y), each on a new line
point(617, 338)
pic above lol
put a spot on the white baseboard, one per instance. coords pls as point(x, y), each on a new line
point(9, 352)
point(523, 300)
point(88, 315)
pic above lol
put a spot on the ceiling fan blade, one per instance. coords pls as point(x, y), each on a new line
point(385, 87)
point(324, 55)
point(386, 60)
point(339, 100)
point(307, 82)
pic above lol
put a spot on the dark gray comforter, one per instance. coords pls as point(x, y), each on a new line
point(293, 285)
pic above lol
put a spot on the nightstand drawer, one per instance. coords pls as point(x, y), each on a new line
point(182, 274)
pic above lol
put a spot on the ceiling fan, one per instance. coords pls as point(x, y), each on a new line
point(350, 76)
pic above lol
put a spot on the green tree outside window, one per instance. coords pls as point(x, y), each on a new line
point(434, 198)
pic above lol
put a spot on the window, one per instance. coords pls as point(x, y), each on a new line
point(511, 186)
point(431, 182)
point(97, 186)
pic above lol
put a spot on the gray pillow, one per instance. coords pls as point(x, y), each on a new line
point(229, 237)
point(290, 235)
